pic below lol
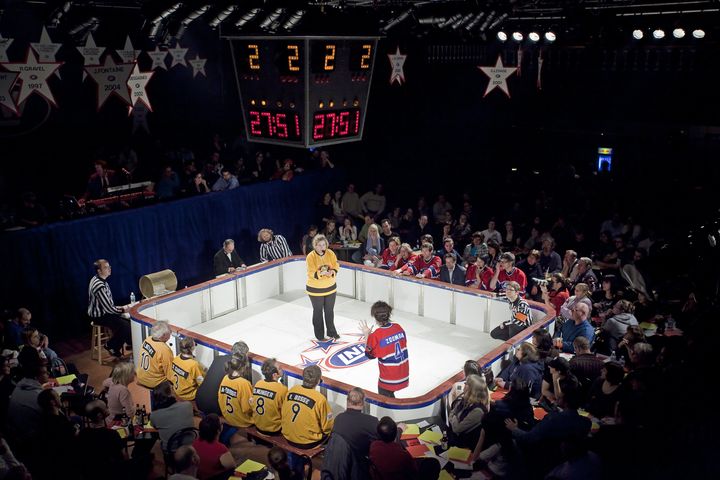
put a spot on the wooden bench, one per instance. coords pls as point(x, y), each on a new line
point(280, 441)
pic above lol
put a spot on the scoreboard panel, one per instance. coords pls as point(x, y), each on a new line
point(303, 91)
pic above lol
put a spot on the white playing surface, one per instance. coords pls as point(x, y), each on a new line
point(281, 327)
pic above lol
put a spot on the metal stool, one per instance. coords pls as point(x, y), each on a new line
point(100, 336)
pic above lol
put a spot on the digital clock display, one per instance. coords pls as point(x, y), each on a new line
point(255, 57)
point(274, 124)
point(332, 124)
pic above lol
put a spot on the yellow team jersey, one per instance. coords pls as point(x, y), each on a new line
point(306, 416)
point(318, 286)
point(268, 399)
point(186, 375)
point(234, 397)
point(155, 360)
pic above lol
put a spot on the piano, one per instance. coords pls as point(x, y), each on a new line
point(115, 194)
point(129, 186)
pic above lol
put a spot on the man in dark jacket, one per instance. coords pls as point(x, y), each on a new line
point(451, 272)
point(227, 260)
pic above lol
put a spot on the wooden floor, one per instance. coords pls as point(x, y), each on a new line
point(78, 353)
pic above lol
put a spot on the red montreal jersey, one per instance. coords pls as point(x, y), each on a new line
point(516, 275)
point(429, 269)
point(389, 260)
point(485, 277)
point(403, 264)
point(389, 345)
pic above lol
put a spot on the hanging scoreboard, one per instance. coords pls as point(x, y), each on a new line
point(303, 91)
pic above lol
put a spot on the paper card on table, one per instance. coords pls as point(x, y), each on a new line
point(436, 429)
point(423, 424)
point(430, 436)
point(418, 450)
point(445, 475)
point(66, 380)
point(411, 442)
point(249, 466)
point(412, 429)
point(461, 454)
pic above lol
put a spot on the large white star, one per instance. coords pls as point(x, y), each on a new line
point(111, 79)
point(128, 54)
point(498, 76)
point(46, 49)
point(33, 76)
point(158, 58)
point(178, 56)
point(396, 62)
point(137, 83)
point(4, 44)
point(91, 53)
point(198, 65)
point(7, 80)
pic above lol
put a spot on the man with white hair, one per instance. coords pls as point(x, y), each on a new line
point(579, 326)
point(155, 356)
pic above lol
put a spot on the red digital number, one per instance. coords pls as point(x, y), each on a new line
point(268, 116)
point(333, 124)
point(357, 122)
point(281, 125)
point(318, 126)
point(297, 126)
point(255, 123)
point(344, 124)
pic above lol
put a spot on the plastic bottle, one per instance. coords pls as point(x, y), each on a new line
point(132, 297)
point(613, 357)
point(444, 441)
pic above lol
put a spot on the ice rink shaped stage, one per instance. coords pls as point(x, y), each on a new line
point(266, 307)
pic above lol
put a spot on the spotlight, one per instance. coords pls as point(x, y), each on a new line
point(294, 19)
point(638, 34)
point(533, 36)
point(550, 36)
point(462, 21)
point(517, 36)
point(450, 20)
point(498, 21)
point(678, 33)
point(475, 21)
point(222, 16)
point(502, 36)
point(698, 33)
point(252, 13)
point(397, 20)
point(271, 18)
point(658, 34)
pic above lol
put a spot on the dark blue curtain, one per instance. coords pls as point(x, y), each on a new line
point(47, 269)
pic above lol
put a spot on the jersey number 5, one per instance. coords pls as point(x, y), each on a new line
point(228, 407)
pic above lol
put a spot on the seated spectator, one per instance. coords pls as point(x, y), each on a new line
point(520, 314)
point(272, 246)
point(543, 342)
point(286, 171)
point(478, 274)
point(525, 366)
point(614, 328)
point(448, 247)
point(262, 169)
point(620, 255)
point(462, 230)
point(55, 442)
point(331, 232)
point(407, 221)
point(306, 415)
point(605, 297)
point(425, 265)
point(386, 230)
point(451, 272)
point(32, 338)
point(31, 213)
point(14, 337)
point(491, 234)
point(440, 208)
point(186, 462)
point(168, 185)
point(389, 258)
point(645, 310)
point(169, 415)
point(585, 365)
point(119, 398)
point(370, 250)
point(467, 411)
point(373, 203)
point(419, 228)
point(579, 326)
point(570, 265)
point(549, 260)
point(7, 385)
point(471, 367)
point(506, 273)
point(348, 232)
point(278, 460)
point(156, 356)
point(198, 185)
point(555, 293)
point(605, 391)
point(337, 207)
point(103, 449)
point(585, 274)
point(324, 209)
point(363, 234)
point(351, 203)
point(215, 458)
point(306, 243)
point(558, 369)
point(268, 398)
point(227, 260)
point(23, 415)
point(405, 256)
point(207, 394)
point(390, 460)
point(632, 337)
point(227, 181)
point(582, 295)
point(531, 268)
point(533, 241)
point(476, 248)
point(186, 374)
point(234, 396)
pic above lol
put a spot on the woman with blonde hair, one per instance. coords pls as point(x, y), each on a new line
point(186, 374)
point(322, 269)
point(371, 250)
point(119, 398)
point(467, 412)
point(582, 294)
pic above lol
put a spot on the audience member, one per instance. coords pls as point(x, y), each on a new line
point(506, 273)
point(168, 185)
point(371, 249)
point(605, 391)
point(330, 232)
point(478, 274)
point(227, 181)
point(55, 442)
point(440, 208)
point(389, 258)
point(490, 234)
point(614, 328)
point(405, 256)
point(338, 212)
point(585, 274)
point(278, 460)
point(418, 230)
point(531, 268)
point(467, 411)
point(268, 398)
point(373, 203)
point(325, 210)
point(510, 240)
point(570, 265)
point(348, 232)
point(169, 415)
point(102, 448)
point(549, 260)
point(448, 247)
point(119, 398)
point(451, 272)
point(215, 458)
point(363, 234)
point(306, 415)
point(470, 367)
point(462, 229)
point(585, 365)
point(525, 366)
point(579, 326)
point(476, 248)
point(227, 260)
point(558, 369)
point(582, 295)
point(351, 204)
point(425, 265)
point(186, 462)
point(390, 460)
point(307, 240)
point(186, 374)
point(555, 296)
point(386, 230)
point(24, 414)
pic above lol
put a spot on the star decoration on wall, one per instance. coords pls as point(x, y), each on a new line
point(33, 77)
point(137, 83)
point(46, 49)
point(4, 45)
point(178, 56)
point(7, 80)
point(91, 53)
point(498, 77)
point(128, 54)
point(111, 79)
point(396, 62)
point(158, 58)
point(198, 65)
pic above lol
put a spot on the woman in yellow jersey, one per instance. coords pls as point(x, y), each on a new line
point(235, 393)
point(186, 374)
point(322, 268)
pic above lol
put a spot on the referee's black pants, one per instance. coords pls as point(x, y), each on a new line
point(120, 330)
point(324, 304)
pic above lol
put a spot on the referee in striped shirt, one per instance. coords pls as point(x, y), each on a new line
point(102, 309)
point(272, 247)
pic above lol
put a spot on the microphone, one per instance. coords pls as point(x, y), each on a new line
point(126, 172)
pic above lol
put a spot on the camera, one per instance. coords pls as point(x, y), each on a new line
point(541, 282)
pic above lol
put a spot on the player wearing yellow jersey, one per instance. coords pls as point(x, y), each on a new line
point(268, 398)
point(155, 356)
point(186, 374)
point(235, 393)
point(306, 415)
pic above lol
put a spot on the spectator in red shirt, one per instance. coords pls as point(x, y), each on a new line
point(478, 274)
point(425, 265)
point(390, 254)
point(215, 458)
point(507, 272)
point(404, 257)
point(391, 461)
point(555, 293)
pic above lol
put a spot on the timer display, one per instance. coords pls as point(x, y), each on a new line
point(335, 124)
point(280, 124)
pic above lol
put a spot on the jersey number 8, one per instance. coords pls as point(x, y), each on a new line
point(260, 406)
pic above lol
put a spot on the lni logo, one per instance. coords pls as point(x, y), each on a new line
point(350, 356)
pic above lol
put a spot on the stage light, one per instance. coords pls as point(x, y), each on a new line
point(534, 36)
point(294, 19)
point(678, 33)
point(638, 34)
point(271, 18)
point(222, 16)
point(475, 21)
point(396, 21)
point(698, 33)
point(450, 20)
point(462, 21)
point(550, 36)
point(252, 13)
point(658, 34)
point(502, 36)
point(517, 36)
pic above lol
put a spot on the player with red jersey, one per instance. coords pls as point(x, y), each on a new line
point(507, 272)
point(425, 265)
point(388, 343)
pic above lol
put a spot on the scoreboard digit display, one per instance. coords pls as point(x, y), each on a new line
point(303, 91)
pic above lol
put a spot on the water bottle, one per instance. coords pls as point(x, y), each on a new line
point(613, 357)
point(132, 297)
